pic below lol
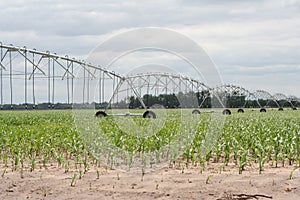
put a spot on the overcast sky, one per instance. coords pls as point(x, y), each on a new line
point(255, 44)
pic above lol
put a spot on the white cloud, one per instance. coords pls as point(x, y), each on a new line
point(246, 39)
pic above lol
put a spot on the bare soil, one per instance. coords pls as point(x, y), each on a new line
point(166, 183)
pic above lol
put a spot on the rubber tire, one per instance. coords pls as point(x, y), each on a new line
point(241, 110)
point(262, 110)
point(294, 108)
point(100, 114)
point(280, 109)
point(196, 112)
point(226, 112)
point(149, 114)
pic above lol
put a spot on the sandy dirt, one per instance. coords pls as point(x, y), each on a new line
point(166, 183)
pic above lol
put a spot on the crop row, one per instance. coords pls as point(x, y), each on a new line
point(31, 139)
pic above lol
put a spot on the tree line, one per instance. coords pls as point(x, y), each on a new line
point(201, 99)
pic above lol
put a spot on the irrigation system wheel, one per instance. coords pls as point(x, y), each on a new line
point(196, 112)
point(149, 114)
point(280, 109)
point(241, 110)
point(226, 112)
point(100, 114)
point(262, 110)
point(294, 108)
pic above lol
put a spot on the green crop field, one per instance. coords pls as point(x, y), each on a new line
point(37, 139)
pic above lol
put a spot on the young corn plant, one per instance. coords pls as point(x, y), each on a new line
point(242, 160)
point(73, 182)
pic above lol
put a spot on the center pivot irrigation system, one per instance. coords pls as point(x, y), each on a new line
point(32, 79)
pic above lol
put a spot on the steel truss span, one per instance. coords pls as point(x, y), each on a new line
point(233, 94)
point(154, 90)
point(29, 77)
